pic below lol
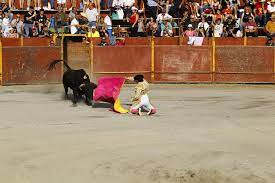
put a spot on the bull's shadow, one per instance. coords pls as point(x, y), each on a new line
point(95, 105)
point(103, 105)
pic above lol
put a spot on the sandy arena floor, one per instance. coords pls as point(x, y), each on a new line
point(202, 134)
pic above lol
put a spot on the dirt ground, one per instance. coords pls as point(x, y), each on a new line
point(201, 134)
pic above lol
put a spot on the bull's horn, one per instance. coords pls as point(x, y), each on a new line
point(80, 86)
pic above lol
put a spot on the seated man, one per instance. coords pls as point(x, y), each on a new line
point(166, 29)
point(270, 27)
point(141, 98)
point(93, 32)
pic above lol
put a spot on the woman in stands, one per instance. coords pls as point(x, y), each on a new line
point(134, 22)
point(141, 98)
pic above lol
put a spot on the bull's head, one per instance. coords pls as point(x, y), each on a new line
point(88, 88)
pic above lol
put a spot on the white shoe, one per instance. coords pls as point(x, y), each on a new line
point(139, 112)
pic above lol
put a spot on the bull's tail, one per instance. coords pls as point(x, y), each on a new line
point(53, 63)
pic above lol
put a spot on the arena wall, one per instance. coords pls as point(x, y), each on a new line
point(219, 60)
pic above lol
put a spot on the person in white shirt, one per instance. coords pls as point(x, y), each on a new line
point(92, 14)
point(128, 3)
point(218, 28)
point(163, 15)
point(117, 3)
point(203, 24)
point(108, 21)
point(271, 7)
point(75, 24)
point(6, 23)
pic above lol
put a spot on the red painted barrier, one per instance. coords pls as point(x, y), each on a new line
point(28, 65)
point(36, 41)
point(167, 41)
point(138, 41)
point(11, 41)
point(244, 64)
point(122, 61)
point(164, 62)
point(229, 41)
point(256, 41)
point(183, 64)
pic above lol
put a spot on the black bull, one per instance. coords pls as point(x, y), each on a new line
point(78, 81)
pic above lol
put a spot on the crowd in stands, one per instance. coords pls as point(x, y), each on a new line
point(166, 18)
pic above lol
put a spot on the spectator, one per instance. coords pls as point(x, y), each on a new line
point(216, 6)
point(141, 28)
point(271, 7)
point(237, 33)
point(166, 29)
point(260, 8)
point(108, 22)
point(41, 20)
point(245, 16)
point(17, 24)
point(21, 4)
point(151, 27)
point(251, 28)
point(120, 41)
point(224, 32)
point(163, 15)
point(6, 23)
point(101, 23)
point(117, 4)
point(72, 13)
point(134, 22)
point(270, 27)
point(84, 4)
point(4, 7)
point(152, 8)
point(184, 21)
point(29, 19)
point(61, 3)
point(203, 24)
point(103, 32)
point(103, 42)
point(60, 19)
point(45, 32)
point(13, 33)
point(36, 4)
point(190, 32)
point(229, 25)
point(218, 15)
point(48, 4)
point(193, 21)
point(93, 32)
point(92, 14)
point(218, 28)
point(228, 9)
point(201, 32)
point(52, 24)
point(117, 13)
point(75, 27)
point(11, 4)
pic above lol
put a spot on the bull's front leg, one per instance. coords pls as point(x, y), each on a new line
point(75, 93)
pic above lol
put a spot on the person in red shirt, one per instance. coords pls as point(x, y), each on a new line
point(251, 27)
point(260, 11)
point(134, 22)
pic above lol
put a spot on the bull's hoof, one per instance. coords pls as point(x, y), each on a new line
point(74, 105)
point(89, 103)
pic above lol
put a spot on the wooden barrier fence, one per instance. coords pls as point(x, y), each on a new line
point(167, 60)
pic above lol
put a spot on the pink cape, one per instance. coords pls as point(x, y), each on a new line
point(108, 89)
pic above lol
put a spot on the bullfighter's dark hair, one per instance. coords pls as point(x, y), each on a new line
point(139, 78)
